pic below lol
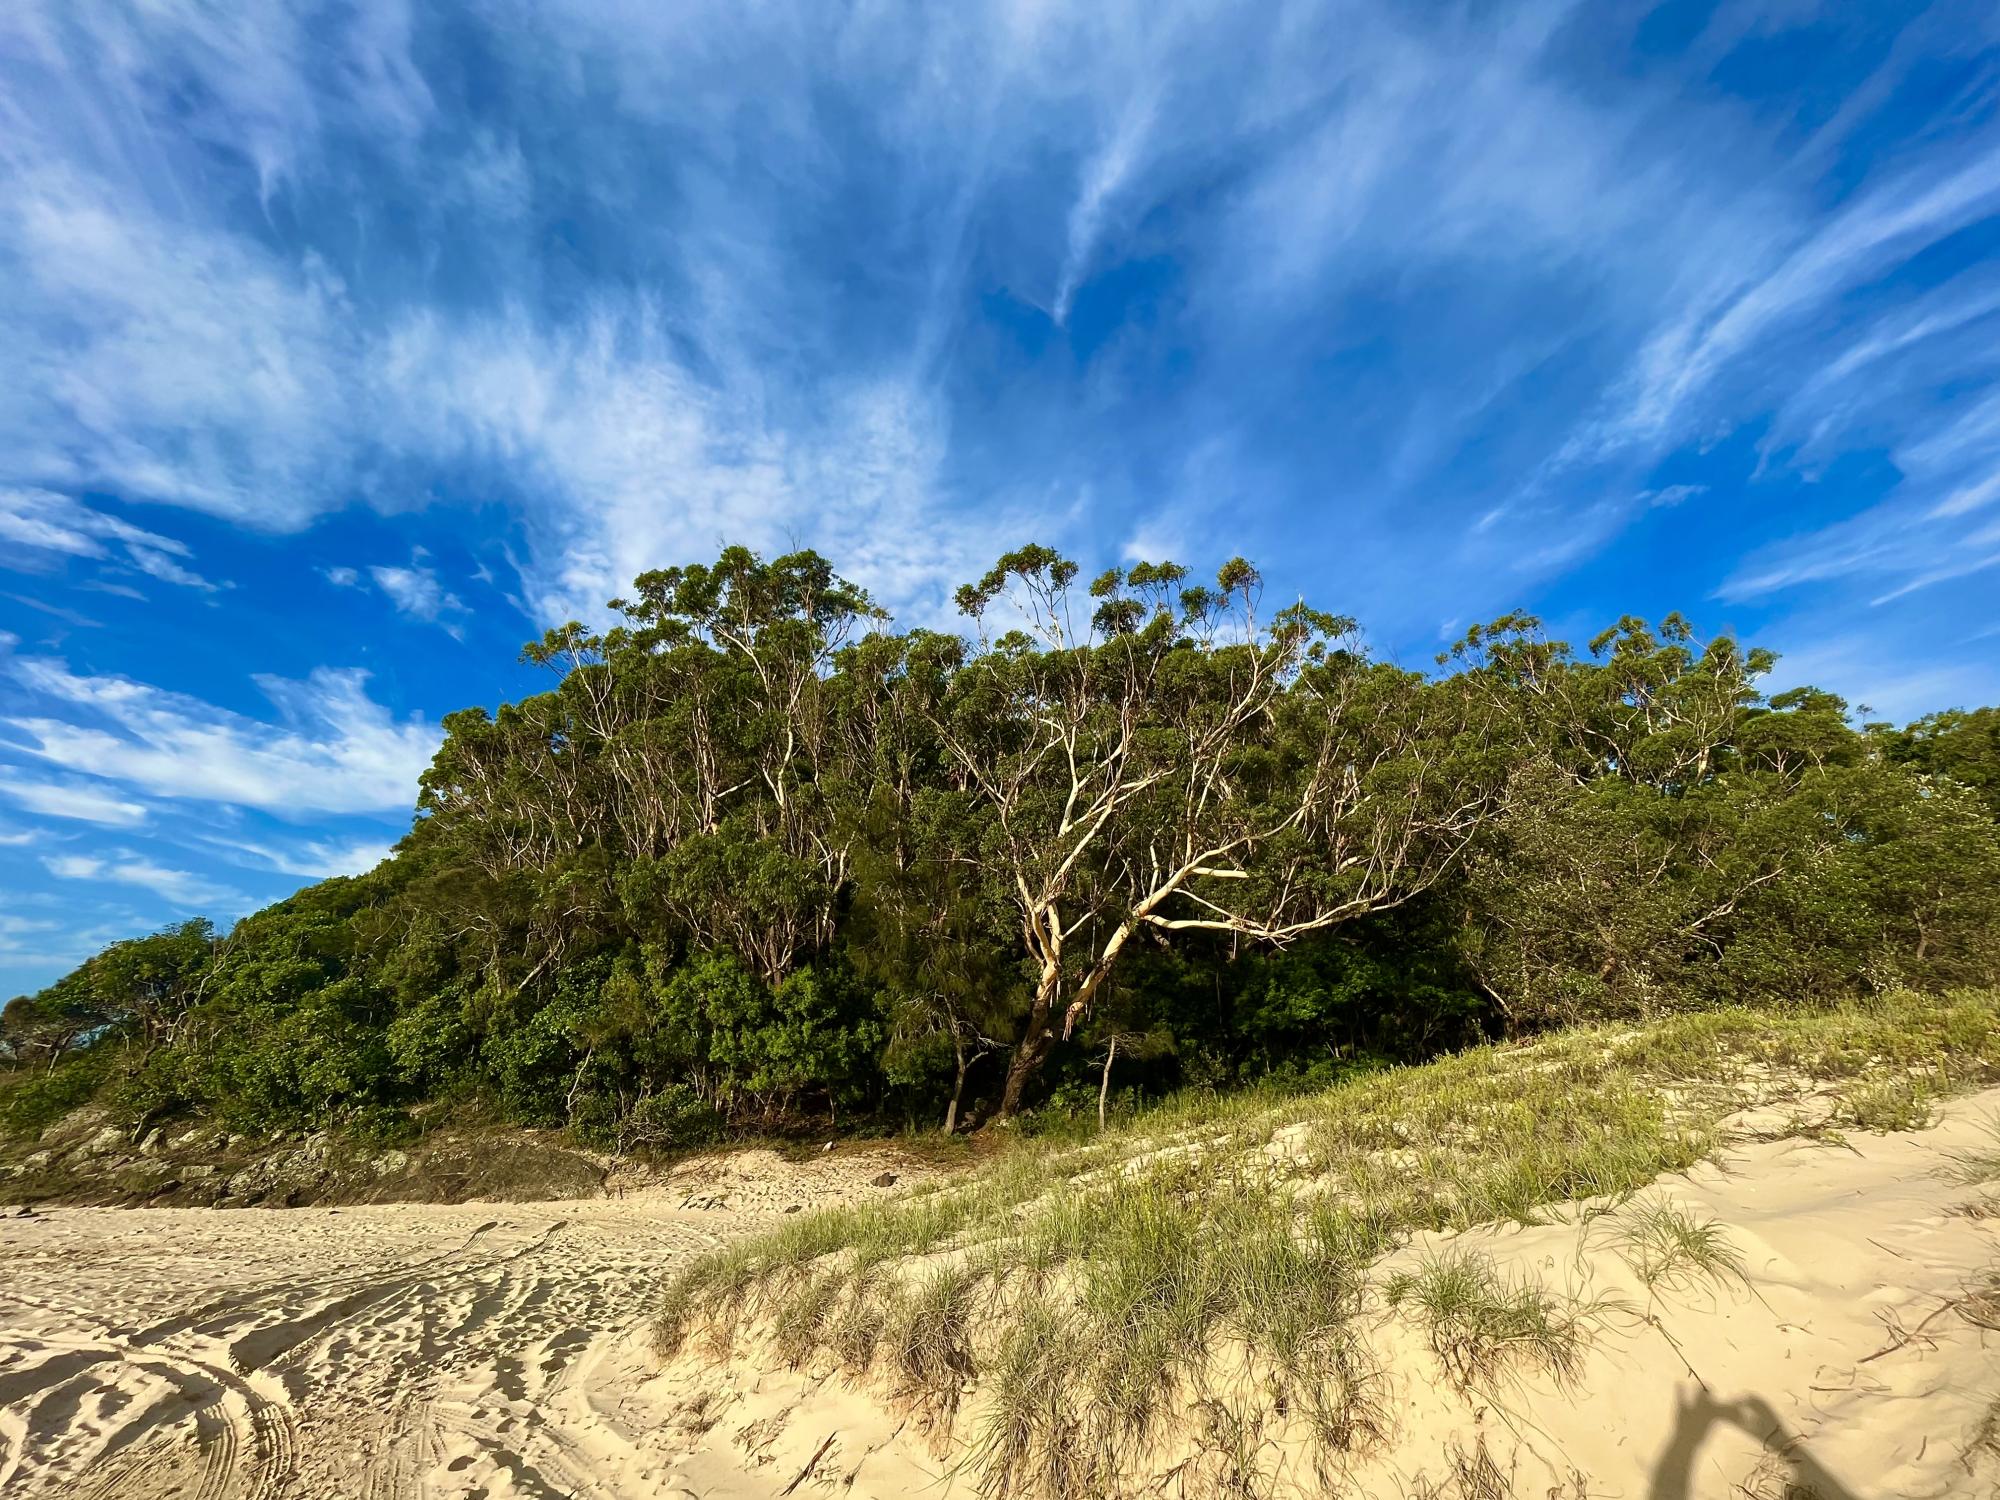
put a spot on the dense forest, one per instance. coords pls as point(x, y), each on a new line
point(757, 858)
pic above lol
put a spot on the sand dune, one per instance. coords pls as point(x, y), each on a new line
point(1857, 1359)
point(500, 1350)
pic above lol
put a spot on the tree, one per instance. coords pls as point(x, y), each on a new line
point(1170, 763)
point(1962, 745)
point(146, 986)
point(42, 1029)
point(752, 854)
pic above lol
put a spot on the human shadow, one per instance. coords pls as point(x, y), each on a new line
point(1697, 1415)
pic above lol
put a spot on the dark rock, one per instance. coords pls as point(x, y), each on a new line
point(887, 1179)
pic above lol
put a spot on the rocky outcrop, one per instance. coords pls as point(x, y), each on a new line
point(89, 1159)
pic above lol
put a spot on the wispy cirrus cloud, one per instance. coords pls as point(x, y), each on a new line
point(309, 857)
point(332, 749)
point(70, 798)
point(39, 527)
point(180, 888)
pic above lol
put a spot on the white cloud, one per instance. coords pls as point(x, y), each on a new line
point(159, 565)
point(1659, 237)
point(61, 612)
point(1968, 498)
point(264, 80)
point(72, 798)
point(342, 577)
point(415, 591)
point(176, 887)
point(29, 945)
point(1866, 668)
point(315, 857)
point(1108, 172)
point(332, 857)
point(196, 368)
point(40, 523)
point(117, 590)
point(334, 748)
point(1721, 323)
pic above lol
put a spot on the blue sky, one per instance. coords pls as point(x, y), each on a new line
point(349, 345)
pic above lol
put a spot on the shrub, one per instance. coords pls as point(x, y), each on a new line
point(675, 1119)
point(39, 1100)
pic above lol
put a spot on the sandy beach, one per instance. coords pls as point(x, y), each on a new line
point(396, 1350)
point(483, 1350)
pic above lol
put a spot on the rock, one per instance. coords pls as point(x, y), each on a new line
point(795, 1208)
point(106, 1139)
point(887, 1179)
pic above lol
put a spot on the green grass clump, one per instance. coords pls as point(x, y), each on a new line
point(927, 1336)
point(1898, 1102)
point(1981, 1164)
point(1671, 1248)
point(1212, 1260)
point(1482, 1326)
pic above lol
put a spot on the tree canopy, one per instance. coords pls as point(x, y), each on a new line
point(756, 854)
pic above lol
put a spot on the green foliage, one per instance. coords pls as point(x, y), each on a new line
point(1965, 747)
point(674, 1119)
point(31, 1101)
point(754, 857)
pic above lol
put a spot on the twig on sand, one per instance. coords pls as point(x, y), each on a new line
point(1904, 1337)
point(811, 1464)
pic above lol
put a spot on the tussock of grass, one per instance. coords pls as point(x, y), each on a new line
point(1215, 1256)
point(1980, 1165)
point(1982, 1447)
point(1474, 1474)
point(1484, 1327)
point(1671, 1248)
point(928, 1339)
point(1469, 1474)
point(1898, 1102)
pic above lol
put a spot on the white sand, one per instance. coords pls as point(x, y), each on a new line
point(499, 1350)
point(410, 1349)
point(1842, 1371)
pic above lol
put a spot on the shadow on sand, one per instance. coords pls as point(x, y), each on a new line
point(1700, 1413)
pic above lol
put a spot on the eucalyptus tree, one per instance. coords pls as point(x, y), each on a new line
point(1153, 757)
point(1959, 743)
point(683, 774)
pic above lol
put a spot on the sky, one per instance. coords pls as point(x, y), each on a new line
point(347, 346)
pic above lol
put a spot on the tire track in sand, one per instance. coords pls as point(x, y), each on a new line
point(323, 1354)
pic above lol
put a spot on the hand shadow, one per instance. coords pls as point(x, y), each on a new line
point(1673, 1475)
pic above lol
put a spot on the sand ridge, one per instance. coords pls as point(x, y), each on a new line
point(1849, 1364)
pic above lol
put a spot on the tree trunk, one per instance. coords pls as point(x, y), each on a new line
point(1104, 1088)
point(1037, 1041)
point(957, 1088)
